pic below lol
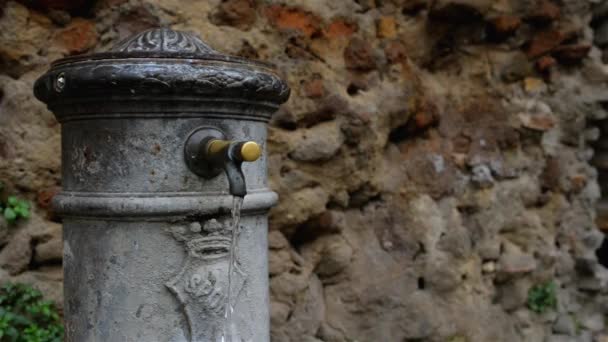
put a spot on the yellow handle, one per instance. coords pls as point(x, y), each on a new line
point(248, 151)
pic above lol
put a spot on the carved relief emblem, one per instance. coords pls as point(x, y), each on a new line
point(201, 286)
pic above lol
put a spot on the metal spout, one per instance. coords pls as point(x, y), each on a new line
point(208, 152)
point(230, 155)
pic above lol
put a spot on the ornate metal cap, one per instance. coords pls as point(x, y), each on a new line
point(161, 71)
point(164, 41)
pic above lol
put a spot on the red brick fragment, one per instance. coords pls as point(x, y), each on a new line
point(546, 12)
point(505, 25)
point(340, 28)
point(359, 55)
point(545, 42)
point(578, 182)
point(395, 51)
point(571, 54)
point(545, 63)
point(426, 116)
point(423, 120)
point(79, 36)
point(45, 197)
point(293, 18)
point(314, 88)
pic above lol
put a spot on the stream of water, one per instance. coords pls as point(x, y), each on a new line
point(237, 203)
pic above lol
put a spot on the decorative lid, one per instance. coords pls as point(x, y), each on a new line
point(161, 43)
point(161, 71)
point(164, 40)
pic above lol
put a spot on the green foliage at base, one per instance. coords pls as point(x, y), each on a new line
point(14, 208)
point(542, 297)
point(26, 317)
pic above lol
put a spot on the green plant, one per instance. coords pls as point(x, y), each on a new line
point(542, 297)
point(26, 317)
point(14, 208)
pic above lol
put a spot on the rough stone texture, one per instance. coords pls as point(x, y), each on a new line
point(432, 162)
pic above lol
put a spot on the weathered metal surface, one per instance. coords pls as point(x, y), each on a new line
point(146, 239)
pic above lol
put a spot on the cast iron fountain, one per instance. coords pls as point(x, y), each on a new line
point(162, 148)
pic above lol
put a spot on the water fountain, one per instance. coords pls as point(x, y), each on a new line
point(162, 154)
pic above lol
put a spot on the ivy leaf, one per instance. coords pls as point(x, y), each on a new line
point(26, 317)
point(23, 204)
point(10, 215)
point(542, 297)
point(21, 212)
point(12, 201)
point(25, 213)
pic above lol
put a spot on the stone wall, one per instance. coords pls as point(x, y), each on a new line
point(433, 162)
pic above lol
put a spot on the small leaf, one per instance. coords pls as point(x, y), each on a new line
point(21, 212)
point(23, 204)
point(25, 213)
point(10, 215)
point(12, 201)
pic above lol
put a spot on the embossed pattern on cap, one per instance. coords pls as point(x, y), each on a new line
point(164, 40)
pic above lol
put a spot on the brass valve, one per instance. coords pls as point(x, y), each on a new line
point(246, 151)
point(207, 152)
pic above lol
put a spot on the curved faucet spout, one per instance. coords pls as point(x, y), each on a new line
point(230, 155)
point(236, 178)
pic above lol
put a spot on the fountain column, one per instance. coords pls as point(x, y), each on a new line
point(159, 135)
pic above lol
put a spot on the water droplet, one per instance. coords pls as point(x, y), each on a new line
point(237, 203)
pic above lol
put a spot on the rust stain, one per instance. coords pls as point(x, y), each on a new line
point(156, 149)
